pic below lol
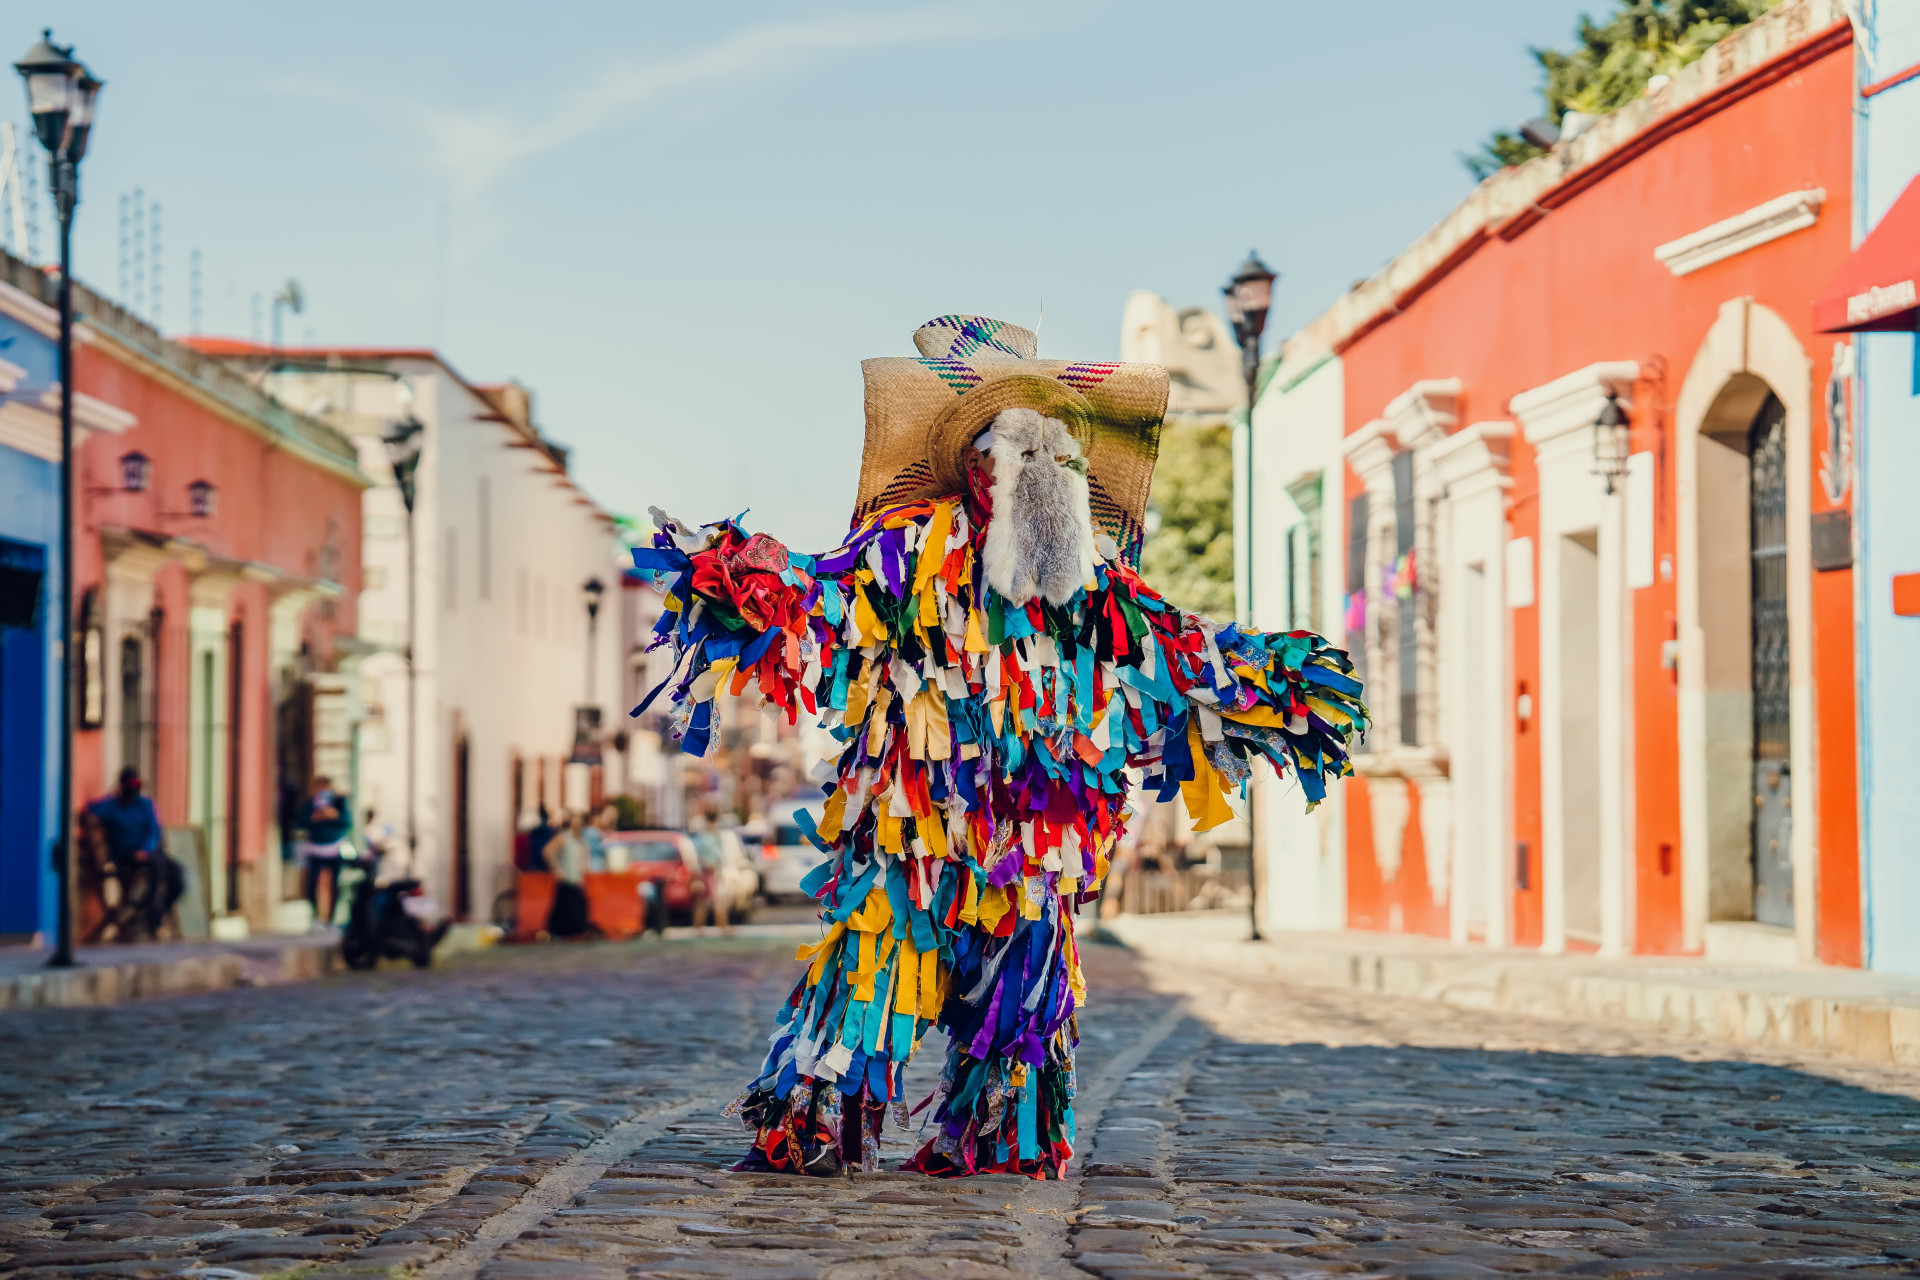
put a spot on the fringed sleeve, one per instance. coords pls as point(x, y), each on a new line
point(1202, 702)
point(742, 609)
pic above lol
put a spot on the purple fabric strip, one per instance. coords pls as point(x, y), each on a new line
point(983, 1041)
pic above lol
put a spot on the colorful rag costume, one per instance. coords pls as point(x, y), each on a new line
point(993, 665)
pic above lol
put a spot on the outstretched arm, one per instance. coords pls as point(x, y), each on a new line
point(1204, 701)
point(744, 609)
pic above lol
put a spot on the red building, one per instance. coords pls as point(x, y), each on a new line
point(217, 565)
point(1613, 664)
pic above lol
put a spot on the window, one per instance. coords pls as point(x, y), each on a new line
point(484, 551)
point(1358, 514)
point(450, 572)
point(1406, 584)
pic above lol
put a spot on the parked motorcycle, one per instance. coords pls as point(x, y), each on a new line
point(398, 921)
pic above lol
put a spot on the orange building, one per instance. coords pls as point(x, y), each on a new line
point(1596, 512)
point(216, 569)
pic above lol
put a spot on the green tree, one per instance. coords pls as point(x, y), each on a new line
point(1189, 555)
point(1615, 59)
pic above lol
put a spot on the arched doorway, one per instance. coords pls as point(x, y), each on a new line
point(1745, 628)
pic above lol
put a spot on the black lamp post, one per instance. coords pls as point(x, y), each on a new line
point(593, 589)
point(403, 441)
point(1249, 293)
point(60, 95)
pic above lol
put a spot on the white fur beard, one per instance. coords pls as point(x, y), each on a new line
point(1040, 540)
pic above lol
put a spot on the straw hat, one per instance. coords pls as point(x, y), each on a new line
point(923, 414)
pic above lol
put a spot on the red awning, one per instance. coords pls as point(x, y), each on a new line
point(1879, 287)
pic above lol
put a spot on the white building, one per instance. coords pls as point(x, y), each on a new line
point(1295, 579)
point(516, 690)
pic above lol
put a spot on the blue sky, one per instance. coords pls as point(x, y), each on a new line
point(684, 225)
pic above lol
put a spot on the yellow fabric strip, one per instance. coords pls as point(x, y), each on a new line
point(877, 720)
point(993, 905)
point(934, 550)
point(970, 905)
point(887, 829)
point(833, 815)
point(906, 989)
point(1265, 717)
point(976, 641)
point(930, 983)
point(1206, 794)
point(819, 953)
point(1327, 711)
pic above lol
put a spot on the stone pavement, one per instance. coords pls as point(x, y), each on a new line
point(111, 974)
point(1863, 1014)
point(553, 1112)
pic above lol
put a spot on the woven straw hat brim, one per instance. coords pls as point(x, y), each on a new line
point(905, 458)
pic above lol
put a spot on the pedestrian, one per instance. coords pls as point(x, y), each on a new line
point(986, 650)
point(537, 841)
point(326, 821)
point(709, 889)
point(608, 819)
point(566, 853)
point(150, 881)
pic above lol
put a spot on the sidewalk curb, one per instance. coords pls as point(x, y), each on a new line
point(110, 975)
point(1877, 1021)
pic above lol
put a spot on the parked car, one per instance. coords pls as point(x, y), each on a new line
point(788, 855)
point(736, 881)
point(667, 859)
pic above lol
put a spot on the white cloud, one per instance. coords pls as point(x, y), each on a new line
point(475, 149)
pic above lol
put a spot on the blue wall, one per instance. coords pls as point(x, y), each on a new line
point(1887, 525)
point(29, 685)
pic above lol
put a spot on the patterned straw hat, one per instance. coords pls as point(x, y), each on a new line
point(924, 412)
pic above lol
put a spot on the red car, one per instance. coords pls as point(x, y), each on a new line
point(668, 858)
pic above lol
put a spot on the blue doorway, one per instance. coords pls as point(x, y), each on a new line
point(24, 866)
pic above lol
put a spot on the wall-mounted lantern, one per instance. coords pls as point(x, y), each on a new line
point(1610, 442)
point(136, 472)
point(202, 499)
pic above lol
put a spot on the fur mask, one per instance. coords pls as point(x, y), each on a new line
point(1040, 537)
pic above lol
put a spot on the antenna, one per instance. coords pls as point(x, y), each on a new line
point(193, 292)
point(126, 251)
point(139, 251)
point(33, 212)
point(10, 188)
point(154, 290)
point(1036, 326)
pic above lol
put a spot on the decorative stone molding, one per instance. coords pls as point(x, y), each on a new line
point(1417, 418)
point(1421, 415)
point(89, 412)
point(1370, 451)
point(30, 429)
point(1573, 402)
point(1474, 458)
point(1778, 217)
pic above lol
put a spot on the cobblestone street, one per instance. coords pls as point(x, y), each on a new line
point(554, 1112)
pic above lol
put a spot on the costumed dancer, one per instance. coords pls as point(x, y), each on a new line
point(987, 654)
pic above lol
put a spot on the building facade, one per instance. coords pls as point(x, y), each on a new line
point(1877, 413)
point(29, 631)
point(216, 554)
point(1583, 537)
point(493, 681)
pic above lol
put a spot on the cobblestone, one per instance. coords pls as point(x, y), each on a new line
point(554, 1113)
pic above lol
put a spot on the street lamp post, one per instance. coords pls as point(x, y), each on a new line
point(60, 95)
point(403, 441)
point(1249, 293)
